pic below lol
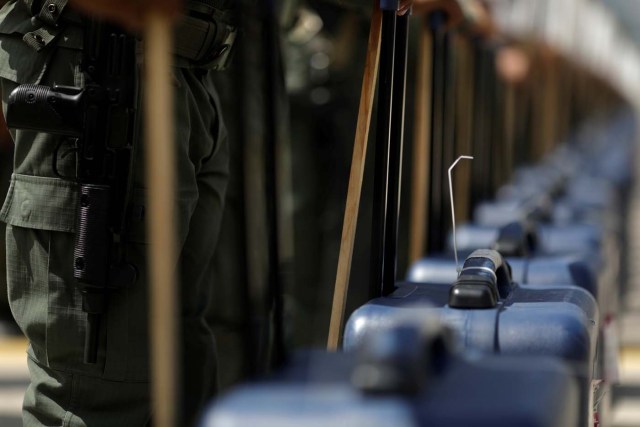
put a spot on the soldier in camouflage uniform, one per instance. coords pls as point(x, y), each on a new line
point(40, 215)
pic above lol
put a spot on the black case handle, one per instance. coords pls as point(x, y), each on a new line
point(484, 280)
point(517, 239)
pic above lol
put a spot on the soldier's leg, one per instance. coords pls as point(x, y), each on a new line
point(228, 313)
point(42, 291)
point(209, 156)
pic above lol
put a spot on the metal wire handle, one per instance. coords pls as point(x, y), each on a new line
point(453, 211)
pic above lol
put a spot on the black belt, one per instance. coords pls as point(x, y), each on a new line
point(205, 44)
point(206, 34)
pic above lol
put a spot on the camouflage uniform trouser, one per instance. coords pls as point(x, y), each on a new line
point(40, 216)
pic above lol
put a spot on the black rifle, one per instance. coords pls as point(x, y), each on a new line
point(100, 118)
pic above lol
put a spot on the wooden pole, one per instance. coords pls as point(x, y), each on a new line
point(421, 152)
point(355, 181)
point(160, 182)
point(464, 125)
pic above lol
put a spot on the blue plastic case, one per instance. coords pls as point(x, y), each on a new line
point(395, 380)
point(492, 315)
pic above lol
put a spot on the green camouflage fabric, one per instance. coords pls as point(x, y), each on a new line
point(40, 214)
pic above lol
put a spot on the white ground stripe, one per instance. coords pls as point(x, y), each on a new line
point(11, 400)
point(12, 368)
point(627, 413)
point(629, 362)
point(14, 378)
point(13, 360)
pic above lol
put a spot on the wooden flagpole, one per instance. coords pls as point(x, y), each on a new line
point(355, 180)
point(421, 151)
point(161, 228)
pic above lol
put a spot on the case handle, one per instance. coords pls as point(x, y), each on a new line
point(518, 239)
point(484, 280)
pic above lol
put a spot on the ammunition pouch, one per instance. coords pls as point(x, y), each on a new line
point(204, 36)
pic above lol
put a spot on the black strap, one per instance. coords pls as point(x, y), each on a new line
point(388, 152)
point(395, 155)
point(47, 11)
point(40, 38)
point(381, 151)
point(51, 11)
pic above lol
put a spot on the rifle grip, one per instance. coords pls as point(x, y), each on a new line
point(56, 110)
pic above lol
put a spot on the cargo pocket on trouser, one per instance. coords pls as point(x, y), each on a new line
point(27, 259)
point(40, 213)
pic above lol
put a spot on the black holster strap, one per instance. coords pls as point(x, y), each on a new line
point(47, 11)
point(51, 11)
point(41, 37)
